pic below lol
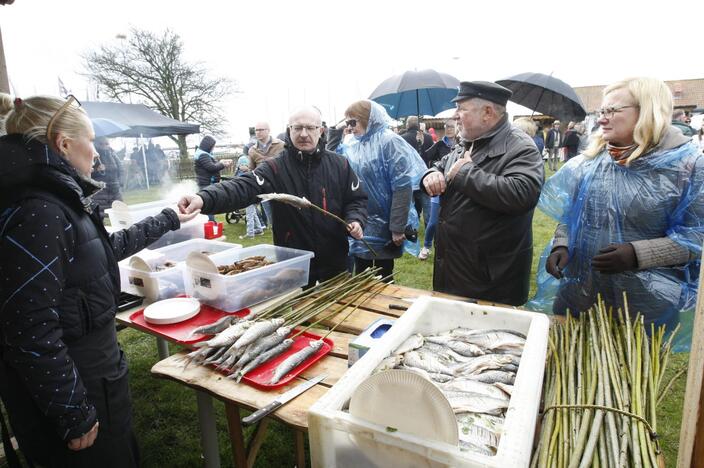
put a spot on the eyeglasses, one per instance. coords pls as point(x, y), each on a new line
point(300, 128)
point(609, 112)
point(261, 129)
point(69, 99)
point(351, 123)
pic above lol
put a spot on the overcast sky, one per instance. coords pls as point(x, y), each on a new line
point(287, 53)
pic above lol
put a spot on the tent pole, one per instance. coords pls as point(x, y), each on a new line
point(144, 159)
point(417, 105)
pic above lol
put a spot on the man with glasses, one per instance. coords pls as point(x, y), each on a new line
point(264, 148)
point(488, 188)
point(304, 169)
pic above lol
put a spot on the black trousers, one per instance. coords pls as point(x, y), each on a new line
point(115, 447)
point(387, 266)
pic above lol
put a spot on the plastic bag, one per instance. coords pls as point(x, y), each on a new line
point(601, 202)
point(384, 162)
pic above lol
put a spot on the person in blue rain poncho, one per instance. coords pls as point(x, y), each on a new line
point(630, 212)
point(389, 170)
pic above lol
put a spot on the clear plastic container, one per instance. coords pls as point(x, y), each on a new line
point(337, 439)
point(168, 283)
point(193, 229)
point(235, 292)
point(122, 216)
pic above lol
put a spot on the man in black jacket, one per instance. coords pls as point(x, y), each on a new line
point(304, 169)
point(488, 190)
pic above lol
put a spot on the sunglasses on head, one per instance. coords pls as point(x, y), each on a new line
point(351, 122)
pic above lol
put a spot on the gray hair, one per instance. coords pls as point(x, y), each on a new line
point(311, 110)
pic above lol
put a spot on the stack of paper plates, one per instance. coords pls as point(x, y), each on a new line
point(173, 310)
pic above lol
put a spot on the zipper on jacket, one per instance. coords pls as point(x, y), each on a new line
point(325, 201)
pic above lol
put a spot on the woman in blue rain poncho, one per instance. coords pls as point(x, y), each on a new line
point(630, 212)
point(389, 170)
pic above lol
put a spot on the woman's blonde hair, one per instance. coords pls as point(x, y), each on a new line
point(5, 108)
point(42, 118)
point(527, 125)
point(360, 110)
point(654, 100)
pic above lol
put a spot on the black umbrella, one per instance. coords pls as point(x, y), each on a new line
point(545, 94)
point(424, 92)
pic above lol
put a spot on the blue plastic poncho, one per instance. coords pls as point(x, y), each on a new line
point(384, 162)
point(661, 194)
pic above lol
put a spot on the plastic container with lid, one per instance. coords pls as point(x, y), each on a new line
point(231, 293)
point(337, 439)
point(167, 283)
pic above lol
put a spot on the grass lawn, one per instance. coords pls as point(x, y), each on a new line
point(165, 412)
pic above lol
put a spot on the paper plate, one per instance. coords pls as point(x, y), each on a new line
point(406, 402)
point(173, 310)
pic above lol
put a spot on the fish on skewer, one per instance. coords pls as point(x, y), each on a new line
point(264, 343)
point(215, 327)
point(228, 336)
point(259, 329)
point(262, 358)
point(295, 360)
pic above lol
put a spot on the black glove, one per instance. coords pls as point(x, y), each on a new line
point(615, 258)
point(556, 261)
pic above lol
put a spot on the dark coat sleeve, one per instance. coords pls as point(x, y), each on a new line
point(144, 233)
point(354, 198)
point(515, 191)
point(240, 192)
point(40, 253)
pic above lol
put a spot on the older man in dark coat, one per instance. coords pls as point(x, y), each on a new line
point(489, 187)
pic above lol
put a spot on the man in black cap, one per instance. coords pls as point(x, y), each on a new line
point(489, 187)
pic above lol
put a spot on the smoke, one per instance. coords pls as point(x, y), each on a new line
point(173, 192)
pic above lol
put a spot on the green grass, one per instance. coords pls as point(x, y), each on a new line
point(165, 414)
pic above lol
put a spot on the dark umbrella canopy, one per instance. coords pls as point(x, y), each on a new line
point(545, 94)
point(140, 120)
point(424, 92)
point(107, 128)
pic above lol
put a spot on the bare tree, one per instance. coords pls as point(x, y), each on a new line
point(151, 68)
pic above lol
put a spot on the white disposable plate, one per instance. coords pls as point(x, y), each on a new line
point(173, 310)
point(405, 401)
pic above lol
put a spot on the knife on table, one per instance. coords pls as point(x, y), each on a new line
point(282, 400)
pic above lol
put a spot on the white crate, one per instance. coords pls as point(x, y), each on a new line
point(233, 293)
point(193, 229)
point(158, 285)
point(337, 439)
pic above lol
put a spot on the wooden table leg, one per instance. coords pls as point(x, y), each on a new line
point(256, 441)
point(234, 424)
point(300, 448)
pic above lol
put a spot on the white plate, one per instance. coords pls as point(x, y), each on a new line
point(405, 401)
point(173, 310)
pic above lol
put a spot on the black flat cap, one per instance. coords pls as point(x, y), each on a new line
point(485, 90)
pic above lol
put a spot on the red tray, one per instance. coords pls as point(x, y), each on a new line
point(259, 377)
point(179, 332)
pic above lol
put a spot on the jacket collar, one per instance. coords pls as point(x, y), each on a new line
point(493, 143)
point(28, 164)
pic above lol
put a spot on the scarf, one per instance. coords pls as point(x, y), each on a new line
point(620, 153)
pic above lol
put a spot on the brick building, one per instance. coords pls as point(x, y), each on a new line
point(687, 94)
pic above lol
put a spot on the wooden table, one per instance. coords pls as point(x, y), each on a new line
point(295, 414)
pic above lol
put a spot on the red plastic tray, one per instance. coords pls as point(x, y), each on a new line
point(259, 377)
point(179, 332)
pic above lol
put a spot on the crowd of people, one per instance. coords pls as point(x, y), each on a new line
point(627, 197)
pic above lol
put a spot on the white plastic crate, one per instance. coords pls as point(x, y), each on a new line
point(235, 292)
point(337, 439)
point(165, 284)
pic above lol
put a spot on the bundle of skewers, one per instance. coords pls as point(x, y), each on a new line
point(241, 345)
point(603, 383)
